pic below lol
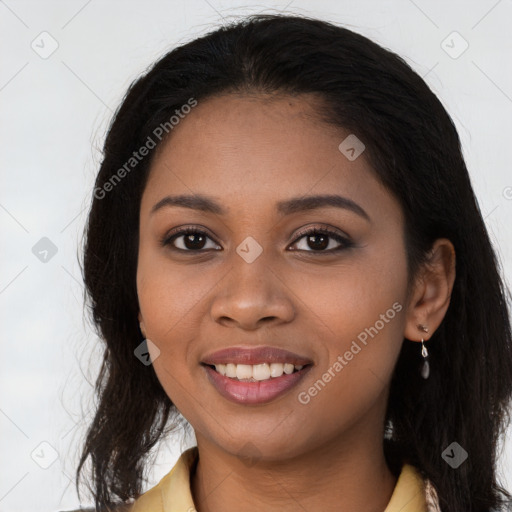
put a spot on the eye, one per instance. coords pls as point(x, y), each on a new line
point(196, 240)
point(193, 240)
point(318, 239)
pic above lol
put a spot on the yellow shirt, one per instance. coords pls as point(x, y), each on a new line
point(173, 494)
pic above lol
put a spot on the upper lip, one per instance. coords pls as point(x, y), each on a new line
point(255, 355)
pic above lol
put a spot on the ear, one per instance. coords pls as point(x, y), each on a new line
point(431, 292)
point(141, 323)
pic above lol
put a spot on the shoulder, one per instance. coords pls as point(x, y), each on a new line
point(79, 510)
point(122, 507)
point(431, 497)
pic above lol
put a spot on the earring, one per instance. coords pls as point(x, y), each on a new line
point(425, 368)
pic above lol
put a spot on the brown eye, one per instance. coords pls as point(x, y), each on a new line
point(193, 240)
point(321, 239)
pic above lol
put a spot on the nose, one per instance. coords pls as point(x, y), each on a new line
point(252, 295)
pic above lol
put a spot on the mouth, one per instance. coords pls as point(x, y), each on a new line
point(256, 372)
point(255, 375)
point(244, 389)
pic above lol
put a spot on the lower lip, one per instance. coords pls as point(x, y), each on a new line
point(254, 392)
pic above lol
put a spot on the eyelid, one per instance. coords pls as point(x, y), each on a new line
point(324, 228)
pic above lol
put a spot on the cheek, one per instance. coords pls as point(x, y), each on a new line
point(359, 312)
point(171, 297)
point(173, 304)
point(361, 345)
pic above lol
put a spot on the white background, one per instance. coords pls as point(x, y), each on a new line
point(54, 113)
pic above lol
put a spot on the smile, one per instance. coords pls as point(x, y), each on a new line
point(249, 390)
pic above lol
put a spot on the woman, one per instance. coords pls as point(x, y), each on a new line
point(284, 249)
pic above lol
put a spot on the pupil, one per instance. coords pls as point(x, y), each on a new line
point(323, 244)
point(189, 241)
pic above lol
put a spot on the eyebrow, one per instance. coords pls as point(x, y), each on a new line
point(298, 204)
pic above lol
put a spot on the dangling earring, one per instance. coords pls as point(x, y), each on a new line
point(425, 368)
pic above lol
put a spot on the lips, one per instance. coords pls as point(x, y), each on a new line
point(254, 393)
point(255, 355)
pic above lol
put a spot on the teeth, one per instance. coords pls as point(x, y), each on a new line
point(276, 369)
point(288, 368)
point(256, 372)
point(259, 371)
point(230, 370)
point(243, 371)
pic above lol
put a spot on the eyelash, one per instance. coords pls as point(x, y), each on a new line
point(345, 242)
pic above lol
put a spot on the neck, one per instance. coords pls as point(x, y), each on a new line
point(343, 475)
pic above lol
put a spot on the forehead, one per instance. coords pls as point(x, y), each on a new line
point(254, 150)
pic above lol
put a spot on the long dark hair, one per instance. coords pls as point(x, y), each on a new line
point(414, 149)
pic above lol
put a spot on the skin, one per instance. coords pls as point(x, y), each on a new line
point(248, 152)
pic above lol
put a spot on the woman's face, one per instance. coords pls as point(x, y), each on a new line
point(254, 279)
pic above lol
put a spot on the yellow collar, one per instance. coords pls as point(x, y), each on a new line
point(173, 494)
